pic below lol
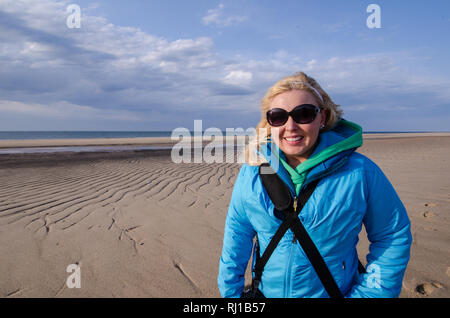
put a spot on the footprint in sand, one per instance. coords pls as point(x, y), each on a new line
point(428, 214)
point(426, 289)
point(430, 204)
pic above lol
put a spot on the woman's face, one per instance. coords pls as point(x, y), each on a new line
point(297, 141)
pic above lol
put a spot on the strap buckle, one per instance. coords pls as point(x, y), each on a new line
point(255, 283)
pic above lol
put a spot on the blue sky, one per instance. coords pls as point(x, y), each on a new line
point(158, 65)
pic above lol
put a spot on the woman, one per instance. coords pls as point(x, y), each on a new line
point(305, 128)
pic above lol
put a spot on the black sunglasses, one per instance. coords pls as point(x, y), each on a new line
point(301, 114)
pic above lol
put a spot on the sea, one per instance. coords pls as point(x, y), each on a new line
point(23, 135)
point(34, 135)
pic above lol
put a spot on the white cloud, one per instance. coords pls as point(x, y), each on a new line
point(375, 76)
point(238, 78)
point(311, 63)
point(65, 110)
point(182, 54)
point(217, 17)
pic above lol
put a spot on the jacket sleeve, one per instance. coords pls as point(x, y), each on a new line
point(389, 232)
point(237, 242)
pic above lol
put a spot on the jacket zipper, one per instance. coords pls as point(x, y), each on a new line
point(288, 285)
point(294, 239)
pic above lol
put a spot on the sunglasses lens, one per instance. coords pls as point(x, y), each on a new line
point(304, 114)
point(277, 117)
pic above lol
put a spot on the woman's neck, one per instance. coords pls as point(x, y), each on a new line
point(295, 160)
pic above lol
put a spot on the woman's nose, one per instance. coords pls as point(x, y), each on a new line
point(291, 124)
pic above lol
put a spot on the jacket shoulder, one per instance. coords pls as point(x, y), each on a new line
point(358, 160)
point(366, 168)
point(248, 171)
point(248, 180)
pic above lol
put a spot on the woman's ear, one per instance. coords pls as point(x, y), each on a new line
point(323, 121)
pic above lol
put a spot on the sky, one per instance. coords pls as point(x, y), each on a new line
point(161, 64)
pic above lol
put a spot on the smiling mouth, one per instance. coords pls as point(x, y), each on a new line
point(294, 139)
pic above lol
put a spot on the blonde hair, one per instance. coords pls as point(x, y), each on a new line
point(298, 81)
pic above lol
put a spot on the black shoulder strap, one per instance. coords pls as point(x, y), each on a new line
point(281, 198)
point(285, 225)
point(316, 260)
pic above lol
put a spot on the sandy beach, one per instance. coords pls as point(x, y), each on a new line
point(139, 225)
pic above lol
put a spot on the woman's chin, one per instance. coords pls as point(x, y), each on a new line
point(292, 150)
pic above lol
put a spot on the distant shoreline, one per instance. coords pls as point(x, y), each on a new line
point(62, 135)
point(144, 143)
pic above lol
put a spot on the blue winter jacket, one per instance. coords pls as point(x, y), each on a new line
point(353, 191)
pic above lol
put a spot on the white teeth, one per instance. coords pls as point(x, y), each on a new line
point(294, 139)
